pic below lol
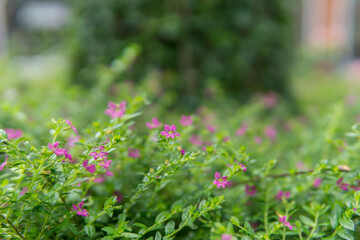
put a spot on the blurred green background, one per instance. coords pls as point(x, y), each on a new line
point(182, 54)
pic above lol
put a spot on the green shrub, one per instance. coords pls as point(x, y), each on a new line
point(245, 45)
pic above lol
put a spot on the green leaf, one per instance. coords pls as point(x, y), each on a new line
point(307, 221)
point(108, 230)
point(234, 221)
point(129, 235)
point(160, 217)
point(107, 238)
point(158, 236)
point(110, 202)
point(347, 223)
point(248, 227)
point(346, 234)
point(169, 228)
point(140, 225)
point(191, 224)
point(3, 134)
point(109, 212)
point(89, 230)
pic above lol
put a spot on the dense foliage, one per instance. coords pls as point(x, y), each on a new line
point(122, 170)
point(188, 44)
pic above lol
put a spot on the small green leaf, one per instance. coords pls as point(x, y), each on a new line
point(248, 227)
point(169, 228)
point(89, 230)
point(129, 235)
point(140, 225)
point(346, 234)
point(234, 221)
point(307, 221)
point(160, 217)
point(347, 223)
point(3, 134)
point(108, 230)
point(158, 236)
point(109, 212)
point(110, 202)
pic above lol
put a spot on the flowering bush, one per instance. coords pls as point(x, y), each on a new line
point(191, 178)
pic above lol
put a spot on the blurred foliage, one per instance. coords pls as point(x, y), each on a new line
point(245, 45)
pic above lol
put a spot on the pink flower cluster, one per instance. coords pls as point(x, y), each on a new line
point(170, 131)
point(90, 168)
point(186, 120)
point(226, 237)
point(116, 110)
point(221, 181)
point(3, 164)
point(13, 133)
point(59, 151)
point(153, 124)
point(270, 132)
point(243, 167)
point(134, 153)
point(99, 153)
point(250, 190)
point(282, 219)
point(72, 126)
point(79, 210)
point(281, 194)
point(242, 130)
point(345, 186)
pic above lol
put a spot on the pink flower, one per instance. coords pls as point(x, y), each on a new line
point(271, 132)
point(220, 181)
point(250, 190)
point(300, 165)
point(13, 133)
point(258, 140)
point(109, 174)
point(99, 153)
point(186, 120)
point(116, 110)
point(23, 191)
point(79, 210)
point(133, 152)
point(226, 237)
point(282, 219)
point(119, 196)
point(107, 140)
point(211, 128)
point(196, 140)
point(280, 195)
point(105, 163)
point(243, 167)
point(226, 139)
point(270, 100)
point(355, 188)
point(72, 126)
point(170, 131)
point(154, 123)
point(317, 182)
point(100, 179)
point(72, 140)
point(3, 164)
point(241, 131)
point(343, 186)
point(89, 168)
point(182, 151)
point(59, 151)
